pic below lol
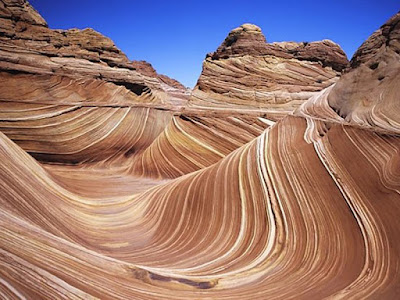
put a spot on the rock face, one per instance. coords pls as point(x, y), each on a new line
point(121, 201)
point(147, 69)
point(28, 46)
point(71, 96)
point(249, 40)
point(247, 71)
point(368, 93)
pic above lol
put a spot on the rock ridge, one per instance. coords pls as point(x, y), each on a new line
point(246, 71)
point(248, 39)
point(28, 46)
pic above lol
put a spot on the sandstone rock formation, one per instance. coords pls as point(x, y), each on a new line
point(373, 97)
point(146, 202)
point(247, 225)
point(247, 71)
point(28, 46)
point(367, 94)
point(72, 96)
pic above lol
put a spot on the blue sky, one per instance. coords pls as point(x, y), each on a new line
point(175, 36)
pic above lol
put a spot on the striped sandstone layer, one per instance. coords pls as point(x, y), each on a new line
point(286, 210)
point(157, 204)
point(73, 57)
point(246, 71)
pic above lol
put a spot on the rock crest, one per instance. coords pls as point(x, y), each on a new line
point(245, 70)
point(28, 46)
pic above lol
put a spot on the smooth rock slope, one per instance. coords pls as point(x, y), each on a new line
point(117, 200)
point(368, 93)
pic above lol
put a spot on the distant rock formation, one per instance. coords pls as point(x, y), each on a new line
point(147, 69)
point(245, 70)
point(367, 94)
point(28, 46)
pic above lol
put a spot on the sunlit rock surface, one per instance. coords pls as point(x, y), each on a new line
point(29, 47)
point(112, 195)
point(246, 71)
point(368, 93)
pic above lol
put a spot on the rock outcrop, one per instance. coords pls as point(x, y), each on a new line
point(147, 69)
point(116, 201)
point(72, 96)
point(367, 95)
point(28, 46)
point(247, 71)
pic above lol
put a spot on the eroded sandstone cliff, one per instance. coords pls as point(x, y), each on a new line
point(246, 71)
point(80, 57)
point(367, 94)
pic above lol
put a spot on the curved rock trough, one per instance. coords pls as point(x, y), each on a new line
point(277, 177)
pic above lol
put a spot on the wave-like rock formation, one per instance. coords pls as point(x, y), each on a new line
point(246, 71)
point(190, 143)
point(107, 194)
point(270, 215)
point(151, 142)
point(74, 134)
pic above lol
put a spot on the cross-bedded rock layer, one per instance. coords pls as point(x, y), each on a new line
point(151, 203)
point(29, 47)
point(247, 71)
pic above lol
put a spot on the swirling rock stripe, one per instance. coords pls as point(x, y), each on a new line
point(284, 216)
point(78, 134)
point(151, 143)
point(191, 142)
point(53, 89)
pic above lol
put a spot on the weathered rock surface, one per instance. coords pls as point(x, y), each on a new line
point(71, 96)
point(28, 46)
point(204, 204)
point(367, 94)
point(247, 71)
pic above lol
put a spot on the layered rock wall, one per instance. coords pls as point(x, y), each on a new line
point(245, 70)
point(28, 46)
